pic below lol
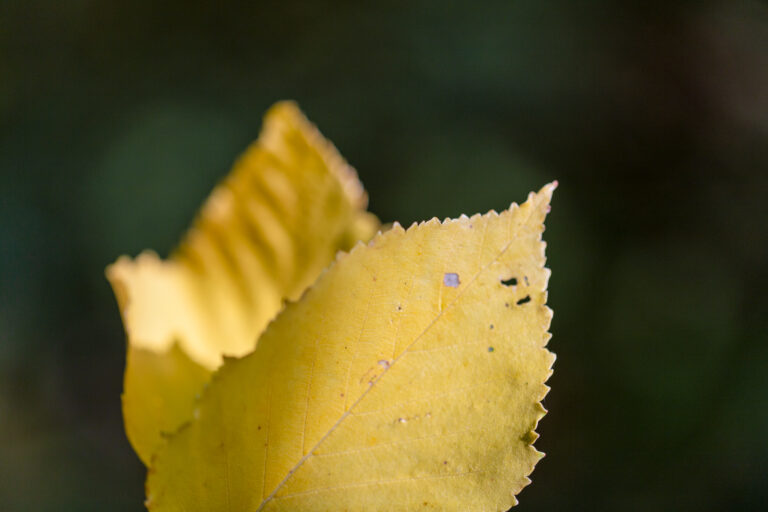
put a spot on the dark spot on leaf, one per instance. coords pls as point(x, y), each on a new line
point(506, 304)
point(451, 279)
point(512, 281)
point(490, 349)
point(491, 326)
point(524, 300)
point(526, 281)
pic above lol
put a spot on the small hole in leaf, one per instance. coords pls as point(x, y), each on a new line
point(512, 281)
point(524, 300)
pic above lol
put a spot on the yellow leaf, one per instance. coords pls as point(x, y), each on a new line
point(265, 234)
point(409, 376)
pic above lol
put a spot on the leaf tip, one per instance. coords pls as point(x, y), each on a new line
point(548, 190)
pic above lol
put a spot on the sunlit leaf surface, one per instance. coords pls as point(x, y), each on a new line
point(408, 377)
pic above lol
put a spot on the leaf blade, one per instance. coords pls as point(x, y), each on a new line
point(387, 379)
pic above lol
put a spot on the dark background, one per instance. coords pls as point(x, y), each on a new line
point(116, 120)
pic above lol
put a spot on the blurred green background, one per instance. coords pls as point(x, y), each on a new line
point(116, 118)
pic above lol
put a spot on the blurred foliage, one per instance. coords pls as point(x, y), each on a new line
point(117, 118)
